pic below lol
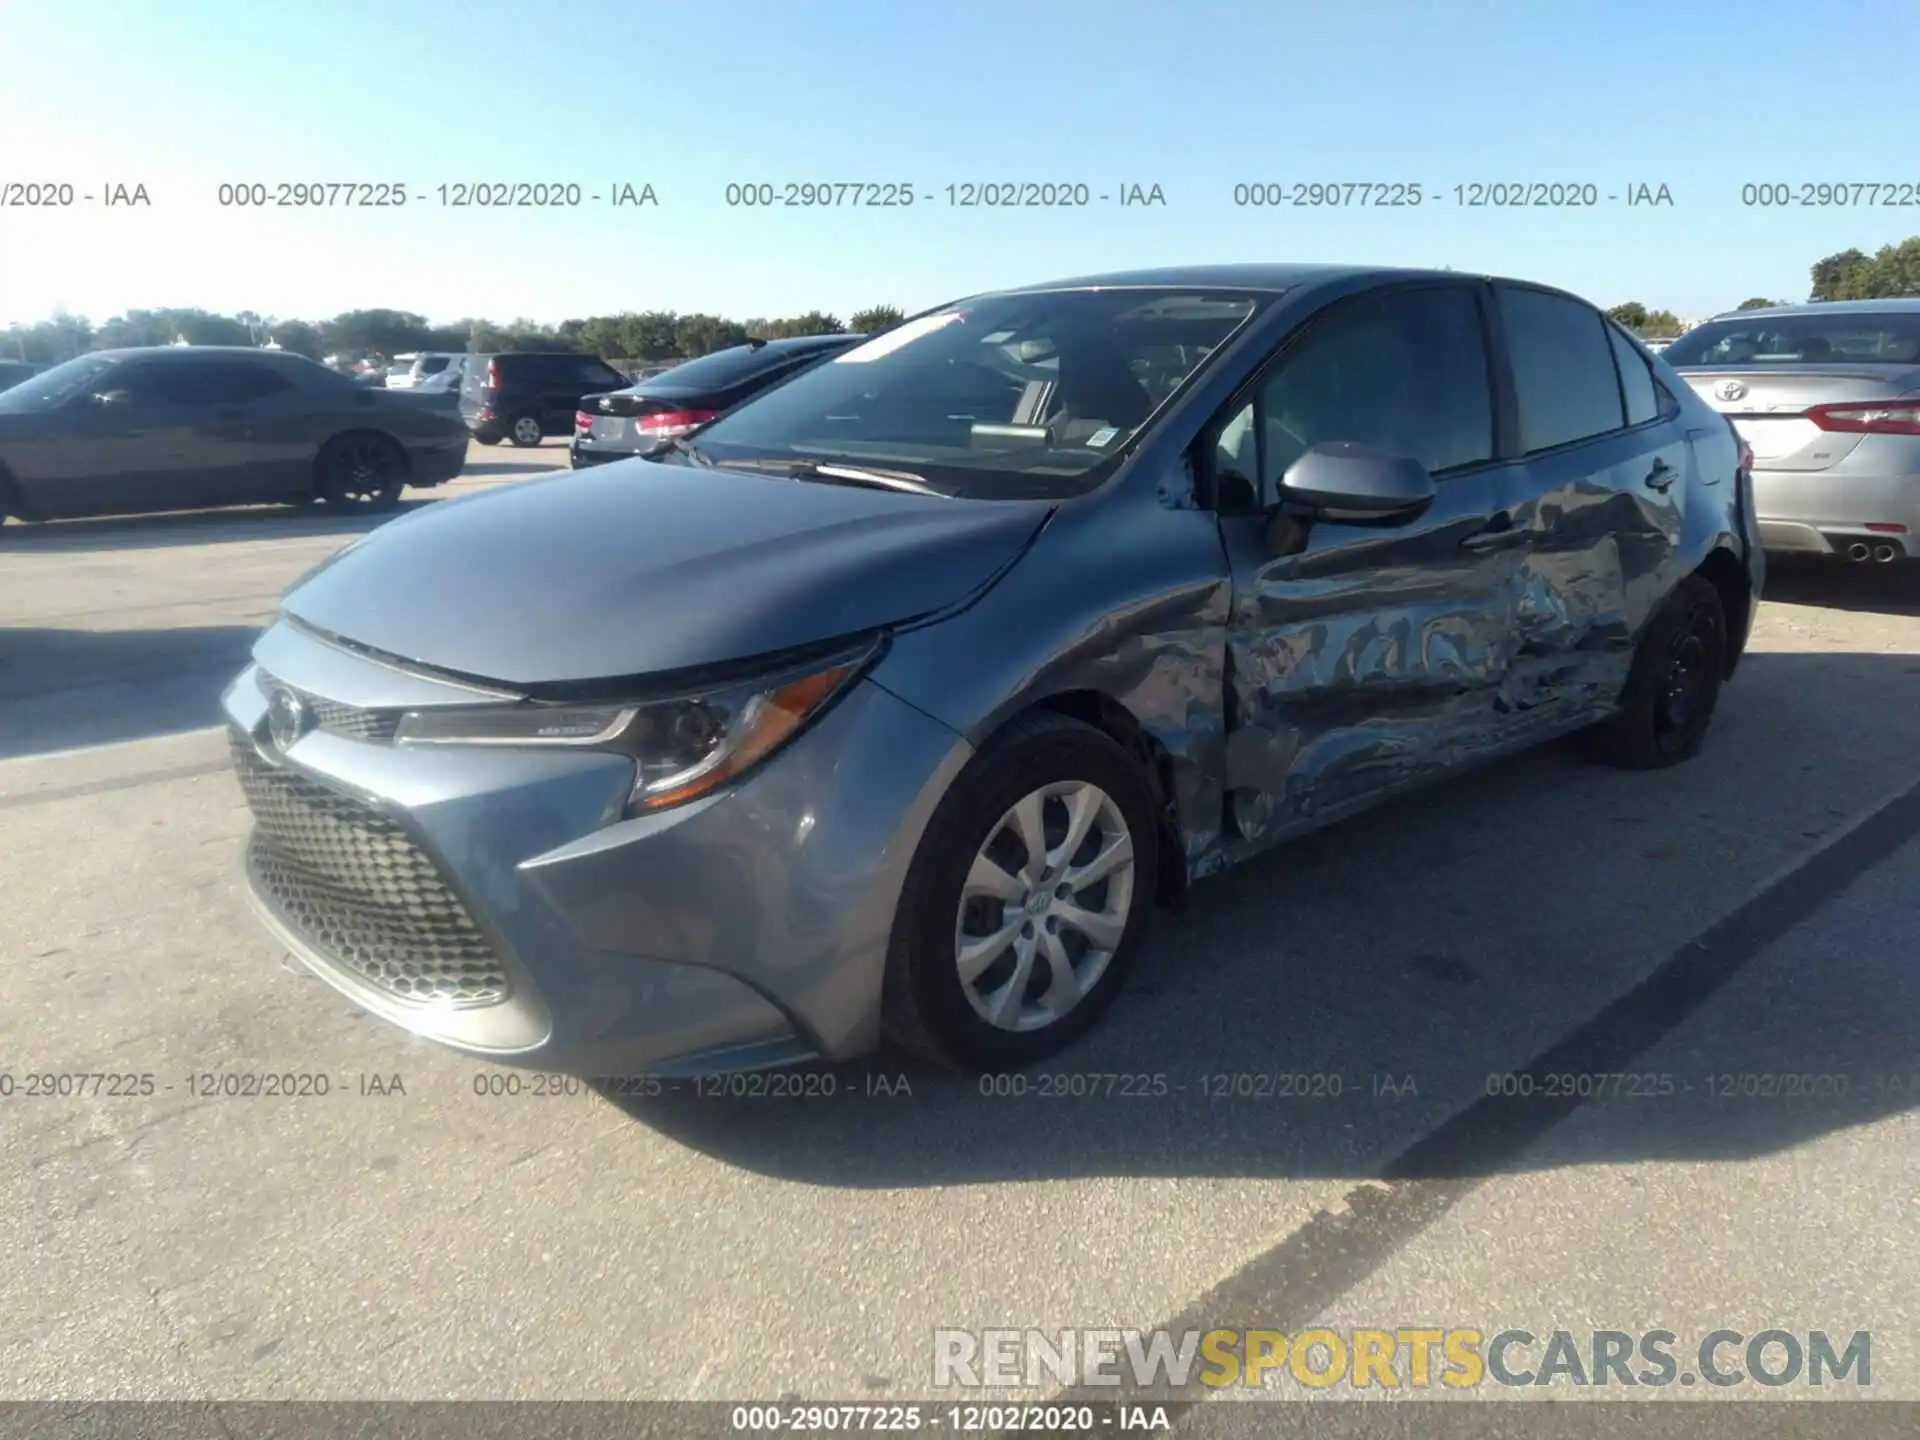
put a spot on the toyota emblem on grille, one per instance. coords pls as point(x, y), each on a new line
point(287, 717)
point(1731, 390)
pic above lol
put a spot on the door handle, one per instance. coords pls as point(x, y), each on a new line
point(1497, 534)
point(1662, 476)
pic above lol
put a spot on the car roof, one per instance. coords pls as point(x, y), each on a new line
point(1830, 307)
point(1260, 277)
point(186, 354)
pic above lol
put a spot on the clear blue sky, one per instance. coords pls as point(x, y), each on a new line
point(184, 95)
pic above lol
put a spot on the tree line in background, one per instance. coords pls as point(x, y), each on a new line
point(1891, 272)
point(651, 335)
point(666, 335)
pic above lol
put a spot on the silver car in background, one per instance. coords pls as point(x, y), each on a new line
point(426, 369)
point(1827, 397)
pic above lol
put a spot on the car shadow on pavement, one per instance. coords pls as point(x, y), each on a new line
point(65, 689)
point(1840, 585)
point(199, 527)
point(1372, 1000)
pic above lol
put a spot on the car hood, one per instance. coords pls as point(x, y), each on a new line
point(639, 567)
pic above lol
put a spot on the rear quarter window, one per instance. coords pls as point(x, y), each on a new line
point(1637, 385)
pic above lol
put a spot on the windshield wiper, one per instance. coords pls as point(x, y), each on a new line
point(873, 479)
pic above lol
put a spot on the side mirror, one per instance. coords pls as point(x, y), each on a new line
point(1340, 479)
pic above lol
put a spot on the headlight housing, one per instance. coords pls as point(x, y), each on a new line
point(682, 747)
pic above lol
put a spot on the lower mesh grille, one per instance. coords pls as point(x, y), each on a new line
point(354, 885)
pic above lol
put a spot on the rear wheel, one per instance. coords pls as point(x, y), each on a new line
point(524, 430)
point(1025, 902)
point(364, 472)
point(1673, 686)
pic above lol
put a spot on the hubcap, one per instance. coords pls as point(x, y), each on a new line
point(1044, 906)
point(528, 430)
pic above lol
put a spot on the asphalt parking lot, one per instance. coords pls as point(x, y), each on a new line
point(413, 1235)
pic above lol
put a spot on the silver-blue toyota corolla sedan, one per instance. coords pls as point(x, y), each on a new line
point(890, 704)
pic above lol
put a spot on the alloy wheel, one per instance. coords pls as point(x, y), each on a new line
point(1044, 905)
point(364, 471)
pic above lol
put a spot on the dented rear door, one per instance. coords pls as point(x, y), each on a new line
point(1609, 470)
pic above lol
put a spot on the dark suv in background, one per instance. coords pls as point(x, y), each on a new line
point(524, 396)
point(635, 420)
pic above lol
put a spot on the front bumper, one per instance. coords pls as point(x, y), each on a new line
point(745, 929)
point(437, 462)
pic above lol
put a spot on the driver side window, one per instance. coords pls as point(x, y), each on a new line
point(1404, 371)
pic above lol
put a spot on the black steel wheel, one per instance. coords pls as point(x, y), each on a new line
point(361, 471)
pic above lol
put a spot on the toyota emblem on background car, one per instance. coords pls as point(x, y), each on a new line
point(1730, 390)
point(287, 717)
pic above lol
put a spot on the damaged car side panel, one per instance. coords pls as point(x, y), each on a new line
point(1284, 691)
point(1372, 660)
point(1124, 605)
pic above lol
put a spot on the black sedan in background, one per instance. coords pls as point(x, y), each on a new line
point(189, 427)
point(624, 423)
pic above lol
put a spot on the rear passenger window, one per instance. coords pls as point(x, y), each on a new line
point(1636, 379)
point(1563, 368)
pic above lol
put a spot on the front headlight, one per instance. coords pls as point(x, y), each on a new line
point(682, 748)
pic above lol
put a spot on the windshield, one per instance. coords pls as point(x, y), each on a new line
point(1840, 338)
point(58, 385)
point(1028, 395)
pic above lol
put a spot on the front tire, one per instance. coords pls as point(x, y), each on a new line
point(1674, 684)
point(360, 472)
point(1024, 905)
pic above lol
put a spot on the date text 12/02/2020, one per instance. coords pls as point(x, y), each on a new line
point(1470, 195)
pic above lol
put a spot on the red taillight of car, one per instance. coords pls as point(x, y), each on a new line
point(1746, 456)
point(492, 382)
point(582, 421)
point(669, 423)
point(1871, 417)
